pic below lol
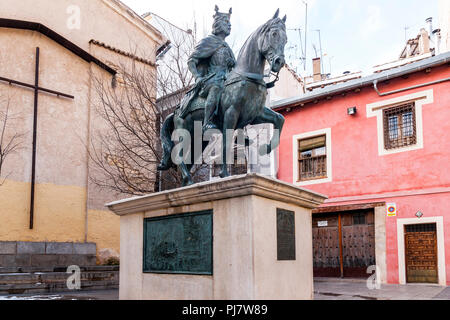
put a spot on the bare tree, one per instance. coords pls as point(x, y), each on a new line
point(9, 144)
point(126, 152)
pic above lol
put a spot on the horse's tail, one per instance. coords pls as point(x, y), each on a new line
point(167, 143)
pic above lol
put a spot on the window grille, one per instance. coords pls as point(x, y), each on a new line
point(399, 127)
point(429, 227)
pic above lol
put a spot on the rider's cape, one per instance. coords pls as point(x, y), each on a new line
point(204, 50)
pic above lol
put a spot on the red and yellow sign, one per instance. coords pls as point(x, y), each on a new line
point(391, 209)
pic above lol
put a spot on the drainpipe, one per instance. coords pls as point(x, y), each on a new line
point(375, 86)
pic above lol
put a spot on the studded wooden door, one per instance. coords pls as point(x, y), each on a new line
point(343, 244)
point(358, 243)
point(421, 253)
point(326, 246)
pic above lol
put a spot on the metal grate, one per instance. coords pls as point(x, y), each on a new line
point(412, 228)
point(399, 126)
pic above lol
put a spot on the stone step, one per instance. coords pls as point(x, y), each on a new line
point(18, 278)
point(49, 282)
point(55, 269)
point(46, 260)
point(41, 288)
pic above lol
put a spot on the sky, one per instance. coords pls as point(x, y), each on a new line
point(355, 35)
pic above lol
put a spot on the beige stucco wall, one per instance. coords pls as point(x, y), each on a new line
point(288, 86)
point(380, 243)
point(245, 255)
point(103, 20)
point(68, 207)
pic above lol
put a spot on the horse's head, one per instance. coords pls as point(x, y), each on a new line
point(272, 41)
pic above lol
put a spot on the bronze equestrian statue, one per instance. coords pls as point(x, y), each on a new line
point(228, 94)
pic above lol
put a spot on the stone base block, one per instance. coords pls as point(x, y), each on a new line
point(46, 254)
point(261, 242)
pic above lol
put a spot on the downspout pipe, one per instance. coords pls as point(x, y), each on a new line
point(375, 86)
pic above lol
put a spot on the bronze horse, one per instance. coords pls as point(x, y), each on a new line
point(243, 99)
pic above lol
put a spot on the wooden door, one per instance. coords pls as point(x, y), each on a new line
point(421, 253)
point(326, 246)
point(343, 244)
point(358, 241)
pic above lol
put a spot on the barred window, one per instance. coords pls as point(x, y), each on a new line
point(399, 126)
point(312, 158)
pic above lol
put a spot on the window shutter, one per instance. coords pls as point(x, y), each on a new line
point(313, 143)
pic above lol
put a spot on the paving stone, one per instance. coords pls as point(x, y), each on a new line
point(344, 289)
point(85, 248)
point(59, 248)
point(30, 247)
point(8, 247)
point(444, 295)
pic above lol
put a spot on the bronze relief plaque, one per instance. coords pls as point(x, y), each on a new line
point(285, 235)
point(179, 244)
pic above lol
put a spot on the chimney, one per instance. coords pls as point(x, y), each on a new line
point(317, 72)
point(424, 42)
point(437, 35)
point(429, 21)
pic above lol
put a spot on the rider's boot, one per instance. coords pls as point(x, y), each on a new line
point(209, 123)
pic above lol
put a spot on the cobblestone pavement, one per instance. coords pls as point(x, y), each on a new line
point(324, 289)
point(355, 289)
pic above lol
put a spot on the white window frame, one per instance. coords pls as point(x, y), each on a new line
point(295, 144)
point(442, 275)
point(376, 110)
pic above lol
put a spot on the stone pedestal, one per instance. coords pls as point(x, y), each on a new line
point(258, 252)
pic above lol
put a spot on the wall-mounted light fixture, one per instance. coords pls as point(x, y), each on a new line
point(419, 214)
point(352, 111)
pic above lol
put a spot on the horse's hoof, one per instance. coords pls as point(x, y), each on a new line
point(163, 167)
point(210, 126)
point(224, 174)
point(187, 183)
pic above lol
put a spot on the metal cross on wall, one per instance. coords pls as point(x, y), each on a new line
point(37, 89)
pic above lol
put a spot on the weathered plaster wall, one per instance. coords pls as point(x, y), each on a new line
point(102, 20)
point(103, 229)
point(68, 207)
point(415, 180)
point(59, 213)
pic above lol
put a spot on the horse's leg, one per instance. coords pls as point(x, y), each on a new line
point(270, 116)
point(185, 170)
point(230, 121)
point(167, 144)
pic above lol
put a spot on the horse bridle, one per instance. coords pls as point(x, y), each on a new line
point(255, 78)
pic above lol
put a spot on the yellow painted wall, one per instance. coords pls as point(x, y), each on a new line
point(59, 216)
point(104, 230)
point(59, 213)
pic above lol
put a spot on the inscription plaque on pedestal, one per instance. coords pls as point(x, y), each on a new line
point(285, 235)
point(180, 244)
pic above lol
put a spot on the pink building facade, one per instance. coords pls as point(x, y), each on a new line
point(387, 160)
